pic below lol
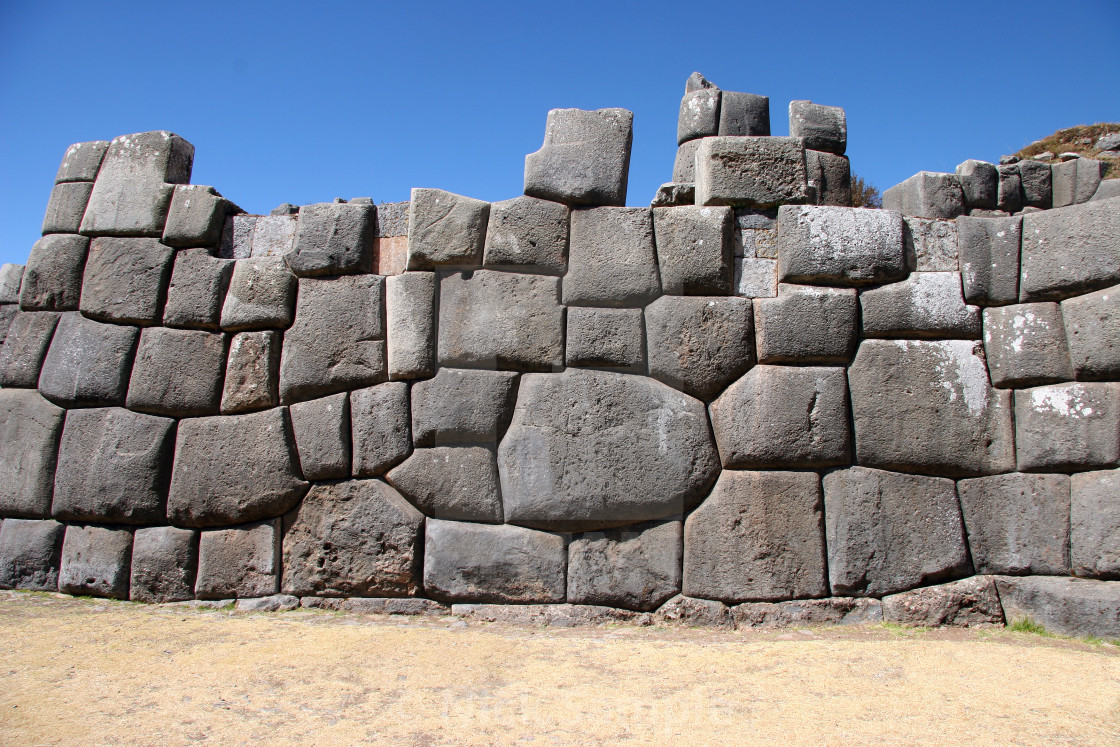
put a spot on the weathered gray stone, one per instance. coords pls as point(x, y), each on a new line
point(694, 251)
point(25, 346)
point(696, 81)
point(830, 176)
point(888, 532)
point(490, 319)
point(1067, 606)
point(706, 613)
point(611, 261)
point(751, 171)
point(52, 280)
point(481, 563)
point(445, 229)
point(839, 246)
point(451, 482)
point(1037, 184)
point(1075, 181)
point(81, 161)
point(66, 206)
point(252, 372)
point(1108, 190)
point(806, 324)
point(585, 159)
point(11, 278)
point(462, 406)
point(245, 236)
point(1069, 251)
point(29, 433)
point(758, 537)
point(744, 114)
point(989, 257)
point(1067, 427)
point(970, 602)
point(1018, 523)
point(164, 565)
point(1108, 141)
point(333, 239)
point(1009, 195)
point(242, 561)
point(980, 182)
point(356, 538)
point(378, 605)
point(609, 338)
point(637, 568)
point(822, 127)
point(699, 344)
point(30, 554)
point(929, 406)
point(178, 372)
point(1095, 524)
point(88, 363)
point(96, 561)
point(547, 615)
point(1026, 345)
point(784, 417)
point(234, 468)
point(927, 195)
point(924, 305)
point(196, 217)
point(410, 324)
point(802, 612)
point(271, 603)
point(8, 312)
point(1092, 327)
point(322, 431)
point(931, 245)
point(392, 219)
point(197, 290)
point(684, 165)
point(699, 115)
point(337, 340)
point(756, 278)
point(637, 451)
point(125, 280)
point(529, 234)
point(261, 295)
point(674, 194)
point(379, 428)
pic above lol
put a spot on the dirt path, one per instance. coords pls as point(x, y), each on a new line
point(92, 672)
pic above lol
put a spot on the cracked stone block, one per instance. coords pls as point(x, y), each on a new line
point(1069, 251)
point(924, 305)
point(1092, 328)
point(322, 433)
point(125, 280)
point(451, 482)
point(241, 561)
point(30, 554)
point(333, 239)
point(164, 565)
point(1026, 345)
point(608, 338)
point(684, 166)
point(839, 246)
point(830, 176)
point(807, 324)
point(261, 295)
point(52, 280)
point(66, 206)
point(585, 159)
point(1069, 427)
point(823, 128)
point(197, 290)
point(699, 114)
point(88, 363)
point(81, 161)
point(611, 258)
point(751, 171)
point(178, 372)
point(380, 430)
point(528, 234)
point(252, 379)
point(927, 195)
point(1066, 606)
point(462, 406)
point(980, 182)
point(636, 568)
point(1037, 181)
point(989, 256)
point(931, 245)
point(756, 278)
point(694, 250)
point(445, 229)
point(25, 346)
point(1075, 181)
point(410, 325)
point(96, 561)
point(802, 612)
point(674, 194)
point(969, 603)
point(746, 114)
point(1095, 524)
point(196, 217)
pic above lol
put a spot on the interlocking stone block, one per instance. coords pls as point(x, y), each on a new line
point(1108, 190)
point(445, 229)
point(234, 468)
point(125, 280)
point(197, 290)
point(924, 305)
point(806, 324)
point(25, 346)
point(1067, 606)
point(379, 426)
point(178, 372)
point(830, 176)
point(544, 615)
point(245, 236)
point(481, 563)
point(11, 278)
point(261, 295)
point(751, 171)
point(694, 250)
point(322, 432)
point(839, 246)
point(1095, 524)
point(164, 565)
point(392, 219)
point(608, 338)
point(30, 554)
point(684, 165)
point(529, 234)
point(684, 610)
point(196, 217)
point(784, 417)
point(635, 568)
point(88, 363)
point(745, 114)
point(970, 602)
point(803, 612)
point(252, 372)
point(81, 161)
point(756, 278)
point(929, 406)
point(611, 260)
point(822, 127)
point(989, 257)
point(490, 319)
point(52, 280)
point(358, 538)
point(585, 159)
point(931, 245)
point(1075, 181)
point(1037, 181)
point(1009, 195)
point(8, 312)
point(980, 182)
point(462, 406)
point(66, 206)
point(29, 433)
point(927, 195)
point(1069, 427)
point(699, 114)
point(333, 239)
point(410, 324)
point(1092, 327)
point(758, 537)
point(96, 561)
point(1026, 345)
point(674, 194)
point(451, 482)
point(242, 561)
point(1018, 523)
point(1070, 251)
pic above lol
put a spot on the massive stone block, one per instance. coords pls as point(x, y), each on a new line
point(1067, 606)
point(529, 234)
point(252, 372)
point(699, 114)
point(806, 324)
point(25, 346)
point(52, 280)
point(694, 252)
point(839, 246)
point(480, 563)
point(451, 482)
point(1026, 345)
point(1009, 195)
point(357, 538)
point(927, 195)
point(1068, 427)
point(1037, 181)
point(926, 304)
point(164, 565)
point(637, 451)
point(462, 406)
point(88, 363)
point(807, 612)
point(635, 568)
point(1075, 181)
point(81, 161)
point(1069, 251)
point(490, 319)
point(980, 182)
point(333, 239)
point(744, 114)
point(261, 295)
point(96, 561)
point(379, 427)
point(410, 300)
point(30, 554)
point(970, 602)
point(585, 159)
point(1092, 327)
point(322, 432)
point(197, 290)
point(611, 259)
point(234, 468)
point(125, 280)
point(751, 171)
point(242, 561)
point(29, 433)
point(1094, 524)
point(932, 245)
point(699, 345)
point(989, 250)
point(66, 206)
point(245, 236)
point(821, 127)
point(758, 537)
point(830, 176)
point(610, 338)
point(756, 278)
point(196, 217)
point(684, 165)
point(929, 406)
point(11, 279)
point(178, 372)
point(784, 417)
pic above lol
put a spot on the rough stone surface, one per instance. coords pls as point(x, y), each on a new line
point(379, 427)
point(1026, 345)
point(1037, 183)
point(271, 603)
point(164, 564)
point(696, 81)
point(684, 165)
point(66, 206)
point(699, 114)
point(52, 280)
point(830, 176)
point(197, 290)
point(96, 561)
point(927, 195)
point(410, 325)
point(242, 561)
point(1095, 524)
point(322, 432)
point(81, 161)
point(392, 219)
point(1075, 181)
point(546, 615)
point(1069, 251)
point(30, 554)
point(931, 245)
point(756, 278)
point(980, 182)
point(806, 324)
point(673, 194)
point(125, 280)
point(585, 159)
point(378, 605)
point(1017, 523)
point(333, 239)
point(706, 613)
point(802, 612)
point(751, 171)
point(970, 602)
point(1068, 427)
point(88, 363)
point(462, 406)
point(822, 127)
point(989, 250)
point(631, 450)
point(252, 372)
point(839, 246)
point(29, 434)
point(694, 249)
point(608, 338)
point(178, 372)
point(11, 278)
point(699, 345)
point(1108, 190)
point(924, 305)
point(746, 114)
point(1067, 606)
point(245, 236)
point(357, 538)
point(196, 217)
point(529, 234)
point(451, 482)
point(1009, 195)
point(1092, 328)
point(262, 295)
point(635, 568)
point(25, 346)
point(612, 261)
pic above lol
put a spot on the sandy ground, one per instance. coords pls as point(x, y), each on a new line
point(75, 671)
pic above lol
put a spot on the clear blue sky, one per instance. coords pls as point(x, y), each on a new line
point(304, 102)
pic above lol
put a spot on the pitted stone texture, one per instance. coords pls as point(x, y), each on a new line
point(1092, 328)
point(197, 290)
point(784, 417)
point(980, 182)
point(611, 260)
point(133, 188)
point(694, 251)
point(807, 324)
point(699, 115)
point(234, 468)
point(751, 171)
point(462, 406)
point(1095, 524)
point(1070, 427)
point(1067, 606)
point(25, 346)
point(358, 538)
point(1009, 195)
point(178, 372)
point(392, 219)
point(81, 161)
point(252, 372)
point(529, 234)
point(451, 482)
point(547, 615)
point(592, 449)
point(30, 554)
point(1070, 251)
point(66, 206)
point(262, 295)
point(8, 312)
point(1037, 181)
point(379, 427)
point(52, 280)
point(684, 610)
point(410, 300)
point(585, 159)
point(88, 363)
point(1075, 181)
point(337, 340)
point(245, 236)
point(924, 305)
point(482, 563)
point(696, 81)
point(927, 195)
point(928, 406)
point(113, 467)
point(609, 338)
point(125, 280)
point(839, 246)
point(636, 568)
point(822, 127)
point(970, 602)
point(490, 319)
point(802, 612)
point(931, 245)
point(697, 344)
point(29, 433)
point(744, 114)
point(888, 532)
point(322, 432)
point(196, 217)
point(1026, 345)
point(684, 165)
point(11, 278)
point(672, 194)
point(96, 561)
point(756, 278)
point(830, 176)
point(989, 249)
point(758, 537)
point(333, 239)
point(164, 565)
point(242, 561)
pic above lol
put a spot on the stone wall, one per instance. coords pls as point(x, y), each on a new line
point(751, 408)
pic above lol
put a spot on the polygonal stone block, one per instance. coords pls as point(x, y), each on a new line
point(96, 561)
point(980, 183)
point(81, 161)
point(322, 432)
point(462, 406)
point(242, 561)
point(11, 279)
point(451, 482)
point(1018, 523)
point(806, 324)
point(756, 278)
point(699, 114)
point(1075, 181)
point(66, 206)
point(445, 229)
point(970, 602)
point(197, 290)
point(821, 127)
point(1092, 327)
point(245, 236)
point(1069, 251)
point(333, 239)
point(164, 565)
point(585, 159)
point(1066, 606)
point(695, 612)
point(30, 554)
point(1026, 345)
point(745, 114)
point(1037, 181)
point(673, 194)
point(88, 363)
point(125, 280)
point(694, 252)
point(261, 295)
point(178, 372)
point(924, 305)
point(52, 280)
point(410, 324)
point(25, 346)
point(927, 195)
point(611, 259)
point(1070, 427)
point(380, 434)
point(830, 176)
point(989, 256)
point(1094, 524)
point(751, 171)
point(931, 245)
point(684, 166)
point(839, 246)
point(811, 612)
point(1009, 194)
point(528, 234)
point(635, 568)
point(608, 338)
point(196, 217)
point(29, 433)
point(252, 379)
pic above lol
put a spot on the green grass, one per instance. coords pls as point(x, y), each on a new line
point(1027, 625)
